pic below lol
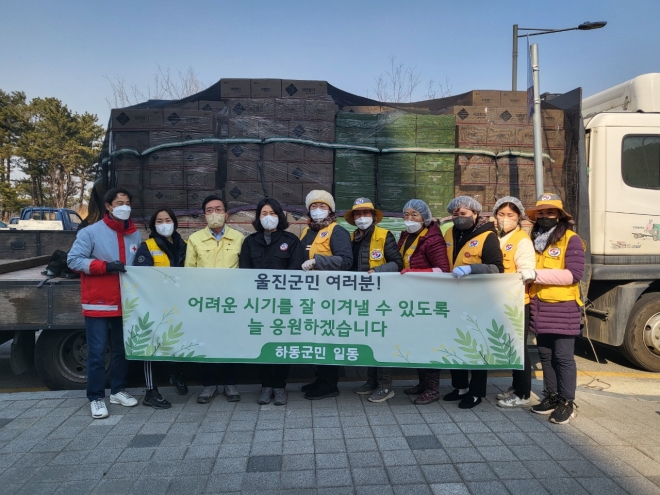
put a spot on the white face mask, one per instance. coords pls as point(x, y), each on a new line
point(165, 229)
point(413, 227)
point(318, 214)
point(269, 222)
point(122, 212)
point(363, 223)
point(506, 224)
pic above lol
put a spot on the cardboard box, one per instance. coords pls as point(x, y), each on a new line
point(468, 114)
point(130, 178)
point(169, 179)
point(434, 179)
point(251, 152)
point(203, 158)
point(501, 135)
point(200, 179)
point(292, 109)
point(469, 134)
point(303, 89)
point(347, 192)
point(136, 119)
point(244, 192)
point(162, 137)
point(554, 137)
point(310, 172)
point(434, 162)
point(242, 171)
point(320, 110)
point(268, 128)
point(513, 99)
point(314, 130)
point(552, 118)
point(243, 127)
point(318, 155)
point(195, 199)
point(172, 198)
point(217, 107)
point(126, 161)
point(167, 159)
point(275, 171)
point(188, 120)
point(266, 88)
point(287, 193)
point(466, 159)
point(288, 152)
point(485, 193)
point(235, 88)
point(474, 174)
point(487, 98)
point(137, 140)
point(248, 108)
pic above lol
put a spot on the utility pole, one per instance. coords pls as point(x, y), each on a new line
point(536, 122)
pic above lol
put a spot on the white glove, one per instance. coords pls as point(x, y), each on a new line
point(528, 275)
point(461, 271)
point(309, 265)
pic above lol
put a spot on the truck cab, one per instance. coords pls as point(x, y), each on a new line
point(45, 218)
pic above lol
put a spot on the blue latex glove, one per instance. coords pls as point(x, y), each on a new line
point(461, 271)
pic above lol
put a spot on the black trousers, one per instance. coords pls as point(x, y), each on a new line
point(327, 376)
point(558, 362)
point(476, 386)
point(210, 370)
point(522, 379)
point(273, 375)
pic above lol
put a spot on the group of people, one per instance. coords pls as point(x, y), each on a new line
point(550, 262)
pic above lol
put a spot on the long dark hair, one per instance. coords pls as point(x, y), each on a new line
point(275, 205)
point(152, 222)
point(562, 226)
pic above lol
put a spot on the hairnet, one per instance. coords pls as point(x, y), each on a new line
point(509, 199)
point(422, 208)
point(464, 202)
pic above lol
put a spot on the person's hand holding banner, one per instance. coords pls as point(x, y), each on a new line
point(461, 271)
point(309, 265)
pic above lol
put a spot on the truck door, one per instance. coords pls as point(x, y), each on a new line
point(632, 206)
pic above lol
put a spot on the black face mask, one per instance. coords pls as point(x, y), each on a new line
point(547, 223)
point(463, 223)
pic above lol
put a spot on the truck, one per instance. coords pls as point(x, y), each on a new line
point(46, 218)
point(612, 183)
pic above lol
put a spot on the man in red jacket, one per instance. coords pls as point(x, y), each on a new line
point(100, 253)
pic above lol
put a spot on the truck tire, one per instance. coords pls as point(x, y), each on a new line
point(60, 358)
point(641, 342)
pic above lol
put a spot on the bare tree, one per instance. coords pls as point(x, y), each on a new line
point(438, 90)
point(165, 87)
point(399, 83)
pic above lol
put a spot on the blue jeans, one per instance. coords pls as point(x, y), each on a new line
point(98, 330)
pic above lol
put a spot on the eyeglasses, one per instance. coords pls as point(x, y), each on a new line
point(219, 209)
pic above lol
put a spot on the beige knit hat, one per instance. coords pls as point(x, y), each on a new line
point(320, 196)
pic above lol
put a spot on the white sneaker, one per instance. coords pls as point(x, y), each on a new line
point(513, 401)
point(123, 398)
point(505, 395)
point(99, 411)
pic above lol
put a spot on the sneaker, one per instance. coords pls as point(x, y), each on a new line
point(99, 411)
point(565, 411)
point(310, 386)
point(453, 396)
point(468, 402)
point(265, 395)
point(232, 393)
point(321, 393)
point(281, 396)
point(381, 394)
point(547, 405)
point(366, 388)
point(428, 397)
point(153, 399)
point(513, 401)
point(177, 381)
point(123, 398)
point(506, 394)
point(416, 390)
point(207, 394)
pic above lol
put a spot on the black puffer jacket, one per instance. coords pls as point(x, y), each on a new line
point(362, 249)
point(175, 250)
point(285, 252)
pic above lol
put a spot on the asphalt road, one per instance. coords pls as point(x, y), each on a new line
point(612, 372)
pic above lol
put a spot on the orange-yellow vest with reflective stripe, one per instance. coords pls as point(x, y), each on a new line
point(554, 256)
point(376, 247)
point(160, 258)
point(321, 244)
point(509, 254)
point(411, 249)
point(470, 253)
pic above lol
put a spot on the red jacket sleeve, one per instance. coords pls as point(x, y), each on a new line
point(97, 267)
point(436, 254)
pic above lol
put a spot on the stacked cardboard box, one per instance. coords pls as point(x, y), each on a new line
point(497, 121)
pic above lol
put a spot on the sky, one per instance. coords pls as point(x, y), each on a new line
point(66, 49)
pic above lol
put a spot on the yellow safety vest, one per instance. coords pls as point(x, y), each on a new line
point(376, 247)
point(160, 258)
point(554, 256)
point(470, 253)
point(509, 254)
point(321, 244)
point(411, 249)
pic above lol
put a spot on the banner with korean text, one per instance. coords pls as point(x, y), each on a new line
point(418, 320)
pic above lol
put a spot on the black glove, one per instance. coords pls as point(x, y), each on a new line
point(115, 267)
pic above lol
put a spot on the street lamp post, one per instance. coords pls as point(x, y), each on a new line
point(585, 26)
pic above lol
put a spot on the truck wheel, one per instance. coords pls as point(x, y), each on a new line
point(61, 359)
point(641, 343)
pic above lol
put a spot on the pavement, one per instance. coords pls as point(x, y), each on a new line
point(346, 445)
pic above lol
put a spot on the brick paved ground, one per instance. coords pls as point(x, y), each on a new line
point(50, 444)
